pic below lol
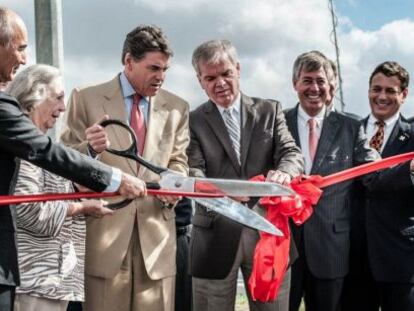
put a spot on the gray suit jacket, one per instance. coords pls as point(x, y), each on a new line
point(265, 144)
point(325, 237)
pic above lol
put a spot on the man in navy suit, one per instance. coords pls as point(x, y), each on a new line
point(389, 214)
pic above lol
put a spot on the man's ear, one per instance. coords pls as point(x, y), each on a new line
point(294, 85)
point(127, 61)
point(405, 93)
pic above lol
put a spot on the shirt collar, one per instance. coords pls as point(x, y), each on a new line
point(127, 89)
point(304, 117)
point(234, 107)
point(390, 122)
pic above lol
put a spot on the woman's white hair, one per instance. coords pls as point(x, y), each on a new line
point(29, 87)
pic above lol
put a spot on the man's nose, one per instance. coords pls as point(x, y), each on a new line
point(62, 106)
point(314, 86)
point(161, 75)
point(221, 81)
point(23, 58)
point(382, 94)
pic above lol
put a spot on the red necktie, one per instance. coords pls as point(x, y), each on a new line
point(378, 139)
point(313, 138)
point(137, 123)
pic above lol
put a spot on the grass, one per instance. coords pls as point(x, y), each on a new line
point(243, 305)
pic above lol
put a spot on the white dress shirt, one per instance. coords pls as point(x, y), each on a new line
point(303, 130)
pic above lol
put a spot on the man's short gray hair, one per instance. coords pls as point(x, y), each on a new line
point(313, 61)
point(213, 52)
point(8, 20)
point(29, 87)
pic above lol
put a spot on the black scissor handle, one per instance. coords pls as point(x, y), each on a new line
point(117, 205)
point(125, 202)
point(131, 152)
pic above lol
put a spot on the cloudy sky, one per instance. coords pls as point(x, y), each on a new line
point(269, 34)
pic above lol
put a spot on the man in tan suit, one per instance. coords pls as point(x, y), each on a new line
point(130, 257)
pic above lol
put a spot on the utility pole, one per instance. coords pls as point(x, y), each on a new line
point(49, 38)
point(334, 24)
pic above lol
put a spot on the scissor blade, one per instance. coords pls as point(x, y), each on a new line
point(239, 213)
point(227, 187)
point(239, 188)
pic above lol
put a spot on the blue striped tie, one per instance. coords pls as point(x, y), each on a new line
point(233, 128)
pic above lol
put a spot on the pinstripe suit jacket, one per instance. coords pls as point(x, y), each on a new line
point(325, 237)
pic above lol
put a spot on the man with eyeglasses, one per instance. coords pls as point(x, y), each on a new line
point(383, 271)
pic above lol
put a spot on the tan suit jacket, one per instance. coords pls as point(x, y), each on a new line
point(166, 141)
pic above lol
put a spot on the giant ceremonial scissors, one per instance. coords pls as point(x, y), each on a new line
point(211, 193)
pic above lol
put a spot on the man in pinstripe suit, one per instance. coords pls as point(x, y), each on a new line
point(330, 142)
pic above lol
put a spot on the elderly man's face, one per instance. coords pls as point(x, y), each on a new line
point(313, 90)
point(45, 114)
point(147, 74)
point(220, 81)
point(14, 54)
point(385, 96)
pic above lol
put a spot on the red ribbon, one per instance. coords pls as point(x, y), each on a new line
point(18, 199)
point(271, 257)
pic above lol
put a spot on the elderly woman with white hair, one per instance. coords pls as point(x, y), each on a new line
point(50, 235)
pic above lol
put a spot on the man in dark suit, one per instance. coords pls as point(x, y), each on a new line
point(19, 138)
point(232, 136)
point(330, 142)
point(389, 220)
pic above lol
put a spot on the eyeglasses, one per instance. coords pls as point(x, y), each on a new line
point(390, 92)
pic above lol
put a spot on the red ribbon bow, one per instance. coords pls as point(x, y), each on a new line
point(271, 257)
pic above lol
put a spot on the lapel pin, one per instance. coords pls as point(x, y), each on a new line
point(402, 137)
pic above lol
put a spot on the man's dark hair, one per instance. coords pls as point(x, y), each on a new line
point(391, 69)
point(143, 39)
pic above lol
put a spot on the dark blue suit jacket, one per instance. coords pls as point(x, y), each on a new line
point(390, 213)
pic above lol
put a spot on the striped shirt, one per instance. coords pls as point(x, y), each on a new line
point(51, 246)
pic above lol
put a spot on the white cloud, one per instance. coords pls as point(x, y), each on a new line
point(362, 51)
point(268, 34)
point(173, 5)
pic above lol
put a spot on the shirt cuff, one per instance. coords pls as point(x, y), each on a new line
point(115, 180)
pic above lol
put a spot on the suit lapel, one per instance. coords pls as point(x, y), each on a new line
point(216, 123)
point(247, 125)
point(113, 105)
point(365, 123)
point(399, 136)
point(292, 123)
point(330, 128)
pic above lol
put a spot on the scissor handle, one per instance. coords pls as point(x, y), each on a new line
point(132, 151)
point(125, 202)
